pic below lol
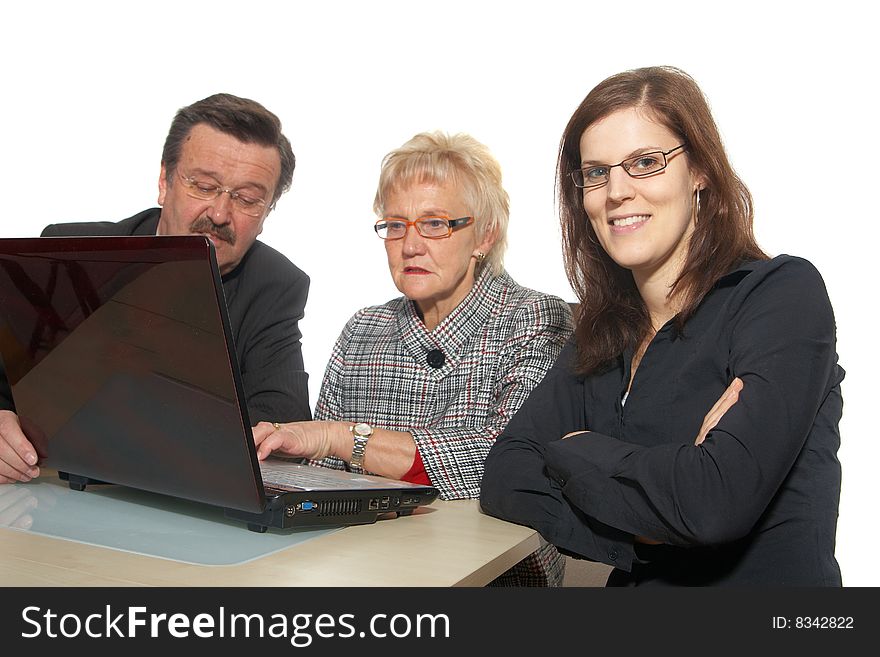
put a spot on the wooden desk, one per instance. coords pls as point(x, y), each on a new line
point(445, 544)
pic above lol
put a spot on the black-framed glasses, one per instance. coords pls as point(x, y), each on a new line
point(637, 166)
point(434, 228)
point(244, 202)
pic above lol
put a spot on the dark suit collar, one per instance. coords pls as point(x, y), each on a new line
point(143, 223)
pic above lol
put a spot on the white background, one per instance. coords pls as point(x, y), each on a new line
point(90, 88)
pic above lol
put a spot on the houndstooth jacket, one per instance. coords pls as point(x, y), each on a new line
point(497, 344)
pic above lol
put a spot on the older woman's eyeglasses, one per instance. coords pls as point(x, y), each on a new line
point(246, 203)
point(434, 228)
point(638, 166)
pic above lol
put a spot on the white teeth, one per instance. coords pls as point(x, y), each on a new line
point(629, 221)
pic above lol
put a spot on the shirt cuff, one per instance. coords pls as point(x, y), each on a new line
point(416, 473)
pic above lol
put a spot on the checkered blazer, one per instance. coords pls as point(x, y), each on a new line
point(498, 344)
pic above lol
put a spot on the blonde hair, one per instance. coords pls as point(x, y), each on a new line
point(463, 162)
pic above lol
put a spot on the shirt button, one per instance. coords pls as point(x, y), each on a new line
point(612, 554)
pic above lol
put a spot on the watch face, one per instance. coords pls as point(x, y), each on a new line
point(363, 429)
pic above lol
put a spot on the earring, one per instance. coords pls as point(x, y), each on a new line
point(696, 205)
point(480, 256)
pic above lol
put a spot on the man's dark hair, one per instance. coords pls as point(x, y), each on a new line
point(242, 118)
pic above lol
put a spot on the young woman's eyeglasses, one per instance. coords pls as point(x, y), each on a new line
point(638, 166)
point(203, 190)
point(434, 228)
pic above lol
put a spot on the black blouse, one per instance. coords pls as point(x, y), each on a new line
point(755, 503)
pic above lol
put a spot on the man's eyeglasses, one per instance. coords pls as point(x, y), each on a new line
point(638, 166)
point(434, 228)
point(245, 203)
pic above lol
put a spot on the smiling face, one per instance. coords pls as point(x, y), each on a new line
point(436, 274)
point(215, 158)
point(644, 224)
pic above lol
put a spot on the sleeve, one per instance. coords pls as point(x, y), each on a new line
point(416, 473)
point(516, 487)
point(6, 403)
point(272, 367)
point(453, 457)
point(782, 345)
point(330, 399)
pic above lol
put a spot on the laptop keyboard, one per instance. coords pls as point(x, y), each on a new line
point(286, 474)
point(295, 476)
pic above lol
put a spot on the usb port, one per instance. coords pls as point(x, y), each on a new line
point(385, 502)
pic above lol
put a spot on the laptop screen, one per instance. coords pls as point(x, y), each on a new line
point(104, 337)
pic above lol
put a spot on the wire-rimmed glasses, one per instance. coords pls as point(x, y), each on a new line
point(203, 190)
point(637, 166)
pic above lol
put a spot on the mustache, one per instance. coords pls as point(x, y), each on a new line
point(205, 225)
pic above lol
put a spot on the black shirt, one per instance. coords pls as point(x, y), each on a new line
point(756, 503)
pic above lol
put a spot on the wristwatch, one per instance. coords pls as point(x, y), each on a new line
point(361, 433)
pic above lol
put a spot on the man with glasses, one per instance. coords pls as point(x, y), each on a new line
point(224, 165)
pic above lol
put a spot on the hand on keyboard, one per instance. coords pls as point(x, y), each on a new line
point(312, 440)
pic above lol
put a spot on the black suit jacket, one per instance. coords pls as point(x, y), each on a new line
point(266, 297)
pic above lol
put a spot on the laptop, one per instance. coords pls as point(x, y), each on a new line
point(122, 369)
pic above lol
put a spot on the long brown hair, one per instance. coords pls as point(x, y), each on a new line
point(612, 315)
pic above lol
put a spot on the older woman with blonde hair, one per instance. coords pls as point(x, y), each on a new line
point(420, 387)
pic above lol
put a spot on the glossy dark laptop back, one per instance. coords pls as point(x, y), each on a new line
point(106, 338)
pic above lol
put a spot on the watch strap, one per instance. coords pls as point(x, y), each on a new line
point(359, 447)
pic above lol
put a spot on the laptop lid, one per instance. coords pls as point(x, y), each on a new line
point(121, 370)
